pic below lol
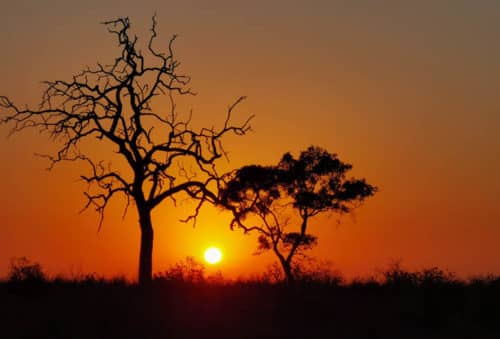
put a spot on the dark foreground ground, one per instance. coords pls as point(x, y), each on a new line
point(397, 308)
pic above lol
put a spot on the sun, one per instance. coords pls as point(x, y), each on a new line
point(213, 255)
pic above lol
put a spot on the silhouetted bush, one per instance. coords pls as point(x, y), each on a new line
point(396, 277)
point(23, 270)
point(489, 280)
point(188, 270)
point(272, 275)
point(185, 303)
point(435, 277)
point(216, 278)
point(310, 271)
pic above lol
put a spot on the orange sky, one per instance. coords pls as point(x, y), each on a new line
point(406, 93)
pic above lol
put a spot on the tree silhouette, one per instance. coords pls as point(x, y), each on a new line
point(269, 200)
point(129, 104)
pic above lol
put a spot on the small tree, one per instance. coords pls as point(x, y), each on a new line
point(129, 105)
point(270, 200)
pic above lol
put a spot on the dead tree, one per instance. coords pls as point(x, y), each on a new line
point(129, 104)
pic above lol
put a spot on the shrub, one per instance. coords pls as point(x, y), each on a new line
point(188, 270)
point(397, 277)
point(23, 270)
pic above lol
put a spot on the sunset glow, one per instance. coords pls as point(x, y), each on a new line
point(403, 92)
point(213, 255)
point(266, 169)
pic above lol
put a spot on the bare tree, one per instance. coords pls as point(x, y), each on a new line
point(129, 104)
point(278, 201)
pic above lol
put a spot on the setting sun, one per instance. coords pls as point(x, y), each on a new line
point(213, 255)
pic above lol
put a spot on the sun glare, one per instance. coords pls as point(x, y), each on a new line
point(213, 255)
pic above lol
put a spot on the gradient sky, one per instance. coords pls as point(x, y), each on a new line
point(406, 91)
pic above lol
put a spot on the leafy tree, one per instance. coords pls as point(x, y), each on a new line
point(129, 105)
point(270, 200)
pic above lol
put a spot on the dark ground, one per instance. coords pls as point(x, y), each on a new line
point(397, 308)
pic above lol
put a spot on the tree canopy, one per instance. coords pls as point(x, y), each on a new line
point(278, 201)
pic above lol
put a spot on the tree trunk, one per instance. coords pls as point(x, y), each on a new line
point(290, 279)
point(146, 251)
point(287, 270)
point(286, 264)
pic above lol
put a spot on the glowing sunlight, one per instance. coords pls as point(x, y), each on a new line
point(213, 255)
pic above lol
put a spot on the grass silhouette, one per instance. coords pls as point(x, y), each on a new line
point(398, 304)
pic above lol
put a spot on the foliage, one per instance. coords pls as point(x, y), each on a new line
point(273, 274)
point(278, 201)
point(187, 270)
point(309, 270)
point(315, 308)
point(396, 276)
point(23, 270)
